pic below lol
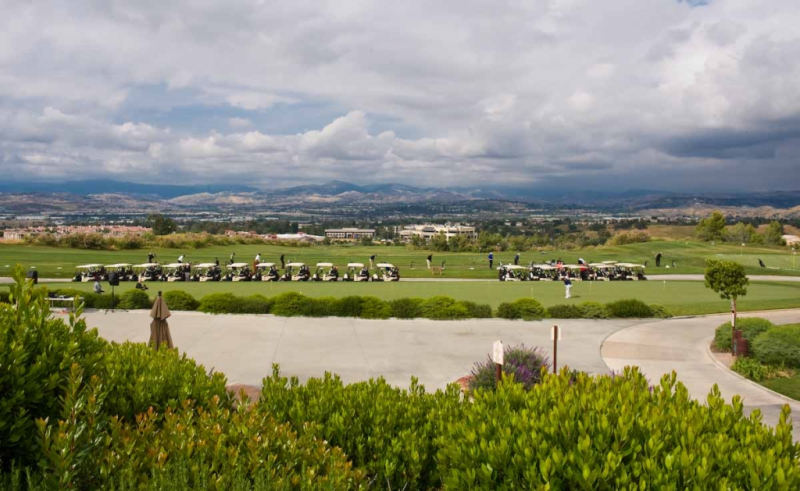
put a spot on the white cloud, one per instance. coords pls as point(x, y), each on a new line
point(509, 91)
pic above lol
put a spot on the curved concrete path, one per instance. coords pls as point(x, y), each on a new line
point(244, 347)
point(682, 345)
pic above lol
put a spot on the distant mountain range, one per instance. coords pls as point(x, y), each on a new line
point(93, 193)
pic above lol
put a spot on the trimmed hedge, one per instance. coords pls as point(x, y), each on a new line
point(778, 346)
point(135, 299)
point(564, 312)
point(629, 308)
point(407, 308)
point(180, 300)
point(524, 308)
point(444, 308)
point(750, 327)
point(593, 310)
point(220, 303)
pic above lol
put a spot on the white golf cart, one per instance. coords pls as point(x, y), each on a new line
point(124, 271)
point(631, 271)
point(386, 272)
point(175, 272)
point(602, 271)
point(147, 271)
point(296, 272)
point(321, 275)
point(239, 272)
point(356, 272)
point(206, 272)
point(511, 272)
point(89, 272)
point(267, 272)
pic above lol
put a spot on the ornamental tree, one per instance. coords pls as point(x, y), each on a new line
point(728, 278)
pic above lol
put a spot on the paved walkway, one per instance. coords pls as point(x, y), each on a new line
point(244, 347)
point(682, 345)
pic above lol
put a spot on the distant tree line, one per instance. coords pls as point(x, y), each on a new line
point(714, 228)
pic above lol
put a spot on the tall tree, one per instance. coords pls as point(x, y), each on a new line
point(160, 224)
point(774, 234)
point(711, 228)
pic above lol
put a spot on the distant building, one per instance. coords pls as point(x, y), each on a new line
point(792, 240)
point(427, 231)
point(350, 234)
point(300, 237)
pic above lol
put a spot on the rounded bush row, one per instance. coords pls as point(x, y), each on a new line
point(750, 327)
point(293, 304)
point(778, 346)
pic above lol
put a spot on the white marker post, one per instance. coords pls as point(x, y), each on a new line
point(497, 358)
point(555, 335)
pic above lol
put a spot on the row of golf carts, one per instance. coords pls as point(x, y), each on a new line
point(604, 271)
point(295, 271)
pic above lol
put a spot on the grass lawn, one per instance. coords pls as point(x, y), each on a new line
point(681, 297)
point(788, 386)
point(689, 257)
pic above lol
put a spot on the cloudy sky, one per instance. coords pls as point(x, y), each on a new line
point(659, 94)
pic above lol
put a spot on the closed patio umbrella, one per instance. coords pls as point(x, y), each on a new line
point(159, 329)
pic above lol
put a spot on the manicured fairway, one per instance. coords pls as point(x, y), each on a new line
point(689, 257)
point(681, 297)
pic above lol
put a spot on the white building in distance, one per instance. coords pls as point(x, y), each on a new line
point(428, 231)
point(349, 234)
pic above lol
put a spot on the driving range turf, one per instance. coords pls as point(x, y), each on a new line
point(689, 257)
point(680, 297)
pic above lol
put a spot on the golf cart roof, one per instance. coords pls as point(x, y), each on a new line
point(145, 265)
point(238, 265)
point(630, 265)
point(515, 266)
point(601, 265)
point(573, 266)
point(118, 265)
point(324, 265)
point(610, 262)
point(265, 265)
point(295, 265)
point(385, 265)
point(89, 266)
point(174, 265)
point(355, 265)
point(204, 265)
point(545, 267)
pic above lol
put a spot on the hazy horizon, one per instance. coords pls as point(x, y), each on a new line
point(573, 94)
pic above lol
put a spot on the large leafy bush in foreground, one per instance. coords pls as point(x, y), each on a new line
point(612, 433)
point(389, 432)
point(36, 352)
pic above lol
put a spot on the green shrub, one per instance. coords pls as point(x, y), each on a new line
point(36, 352)
point(389, 432)
point(290, 304)
point(406, 308)
point(750, 327)
point(778, 346)
point(102, 301)
point(220, 303)
point(477, 310)
point(137, 377)
point(374, 308)
point(319, 307)
point(348, 306)
point(4, 296)
point(629, 308)
point(659, 311)
point(593, 310)
point(256, 304)
point(749, 368)
point(564, 312)
point(180, 300)
point(443, 308)
point(524, 308)
point(524, 364)
point(135, 299)
point(613, 433)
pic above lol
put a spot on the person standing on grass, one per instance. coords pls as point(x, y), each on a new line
point(516, 259)
point(150, 258)
point(658, 260)
point(567, 286)
point(372, 260)
point(430, 260)
point(491, 259)
point(233, 255)
point(283, 263)
point(180, 259)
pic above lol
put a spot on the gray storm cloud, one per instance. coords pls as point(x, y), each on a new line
point(664, 95)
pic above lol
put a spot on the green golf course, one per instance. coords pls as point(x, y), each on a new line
point(680, 297)
point(688, 257)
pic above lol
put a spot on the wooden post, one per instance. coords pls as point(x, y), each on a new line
point(733, 327)
point(555, 347)
point(498, 372)
point(497, 357)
